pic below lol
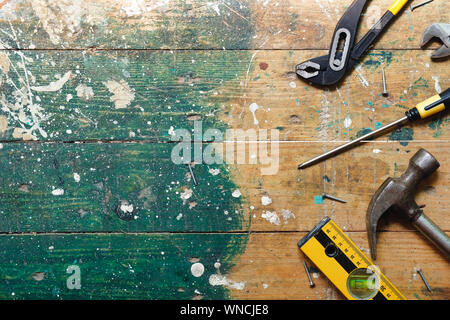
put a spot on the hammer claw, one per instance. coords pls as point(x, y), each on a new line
point(398, 194)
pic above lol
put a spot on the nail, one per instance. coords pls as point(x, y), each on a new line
point(420, 4)
point(424, 280)
point(385, 92)
point(311, 283)
point(192, 174)
point(327, 196)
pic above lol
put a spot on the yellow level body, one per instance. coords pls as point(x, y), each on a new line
point(344, 264)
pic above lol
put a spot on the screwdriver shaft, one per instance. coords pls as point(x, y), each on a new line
point(352, 143)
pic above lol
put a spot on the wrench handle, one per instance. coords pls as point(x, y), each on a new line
point(433, 233)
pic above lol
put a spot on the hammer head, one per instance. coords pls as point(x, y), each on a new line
point(398, 194)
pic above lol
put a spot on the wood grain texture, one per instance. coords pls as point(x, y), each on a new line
point(92, 93)
point(272, 266)
point(196, 24)
point(115, 266)
point(143, 95)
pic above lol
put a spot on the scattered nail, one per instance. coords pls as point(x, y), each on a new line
point(385, 92)
point(327, 196)
point(311, 283)
point(424, 280)
point(420, 4)
point(192, 174)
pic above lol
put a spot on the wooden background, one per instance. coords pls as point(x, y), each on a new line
point(92, 92)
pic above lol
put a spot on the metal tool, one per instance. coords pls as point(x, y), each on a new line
point(425, 109)
point(311, 283)
point(442, 32)
point(424, 280)
point(345, 265)
point(344, 54)
point(327, 196)
point(397, 194)
point(413, 7)
point(383, 76)
point(192, 174)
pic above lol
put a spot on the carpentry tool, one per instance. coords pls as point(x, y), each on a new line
point(424, 280)
point(425, 109)
point(442, 32)
point(311, 283)
point(343, 263)
point(383, 77)
point(344, 54)
point(398, 194)
point(328, 196)
point(192, 174)
point(414, 7)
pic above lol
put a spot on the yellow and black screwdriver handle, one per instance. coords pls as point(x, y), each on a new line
point(430, 107)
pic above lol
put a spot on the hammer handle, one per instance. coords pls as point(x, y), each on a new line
point(431, 231)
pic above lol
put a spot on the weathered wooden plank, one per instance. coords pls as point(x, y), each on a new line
point(272, 268)
point(290, 200)
point(145, 95)
point(276, 98)
point(116, 266)
point(134, 187)
point(121, 95)
point(112, 187)
point(201, 24)
point(160, 266)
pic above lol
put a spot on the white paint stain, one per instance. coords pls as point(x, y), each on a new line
point(253, 107)
point(186, 194)
point(437, 85)
point(58, 192)
point(236, 193)
point(123, 95)
point(54, 85)
point(126, 207)
point(222, 280)
point(347, 121)
point(272, 217)
point(287, 214)
point(265, 200)
point(214, 172)
point(84, 92)
point(361, 77)
point(197, 269)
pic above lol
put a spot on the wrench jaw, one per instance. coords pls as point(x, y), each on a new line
point(308, 70)
point(440, 31)
point(318, 72)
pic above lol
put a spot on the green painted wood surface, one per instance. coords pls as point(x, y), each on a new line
point(86, 200)
point(151, 91)
point(116, 266)
point(98, 179)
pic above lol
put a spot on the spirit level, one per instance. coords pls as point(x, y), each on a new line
point(344, 264)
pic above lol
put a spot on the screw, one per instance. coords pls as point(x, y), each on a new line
point(192, 174)
point(311, 283)
point(424, 280)
point(327, 196)
point(385, 92)
point(420, 4)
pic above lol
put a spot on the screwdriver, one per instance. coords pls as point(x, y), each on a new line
point(425, 109)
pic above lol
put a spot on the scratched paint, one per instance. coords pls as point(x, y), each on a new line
point(117, 189)
point(404, 135)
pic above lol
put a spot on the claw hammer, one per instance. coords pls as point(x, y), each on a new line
point(398, 194)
